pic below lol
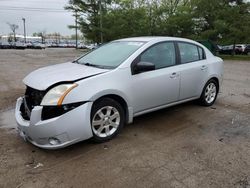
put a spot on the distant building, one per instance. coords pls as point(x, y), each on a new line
point(20, 38)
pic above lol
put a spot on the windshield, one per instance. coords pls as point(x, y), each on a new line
point(110, 55)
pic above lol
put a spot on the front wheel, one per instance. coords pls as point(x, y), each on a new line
point(209, 93)
point(107, 119)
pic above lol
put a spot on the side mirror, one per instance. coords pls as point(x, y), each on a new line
point(143, 67)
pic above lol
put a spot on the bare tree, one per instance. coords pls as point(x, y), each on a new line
point(42, 34)
point(13, 28)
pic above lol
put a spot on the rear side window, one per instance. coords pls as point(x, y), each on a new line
point(190, 52)
point(201, 53)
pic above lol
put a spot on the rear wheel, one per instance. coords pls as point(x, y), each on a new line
point(107, 119)
point(209, 93)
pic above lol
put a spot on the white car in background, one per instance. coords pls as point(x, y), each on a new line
point(20, 45)
point(38, 45)
point(240, 48)
point(95, 95)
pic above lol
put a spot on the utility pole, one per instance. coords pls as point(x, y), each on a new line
point(24, 30)
point(100, 10)
point(76, 28)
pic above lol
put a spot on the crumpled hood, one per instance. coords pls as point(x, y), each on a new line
point(43, 78)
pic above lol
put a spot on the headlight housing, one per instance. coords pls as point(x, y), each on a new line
point(56, 95)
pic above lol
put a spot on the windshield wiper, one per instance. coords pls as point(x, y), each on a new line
point(87, 64)
point(93, 65)
point(75, 61)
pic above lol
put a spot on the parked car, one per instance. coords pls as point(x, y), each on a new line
point(62, 45)
point(226, 50)
point(19, 45)
point(71, 45)
point(54, 45)
point(29, 45)
point(38, 45)
point(5, 45)
point(92, 46)
point(81, 46)
point(247, 50)
point(240, 48)
point(12, 45)
point(95, 95)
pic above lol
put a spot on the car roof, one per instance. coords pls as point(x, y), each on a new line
point(154, 38)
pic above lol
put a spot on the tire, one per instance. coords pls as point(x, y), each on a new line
point(107, 119)
point(209, 93)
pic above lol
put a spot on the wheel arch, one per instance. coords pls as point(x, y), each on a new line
point(118, 99)
point(216, 79)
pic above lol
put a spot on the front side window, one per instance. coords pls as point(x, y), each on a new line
point(110, 55)
point(188, 52)
point(161, 55)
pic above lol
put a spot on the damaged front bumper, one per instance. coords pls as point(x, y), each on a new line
point(57, 132)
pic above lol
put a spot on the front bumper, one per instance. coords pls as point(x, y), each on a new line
point(67, 129)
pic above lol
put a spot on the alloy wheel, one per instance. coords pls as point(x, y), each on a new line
point(210, 93)
point(105, 121)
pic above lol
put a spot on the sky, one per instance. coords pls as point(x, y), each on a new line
point(46, 15)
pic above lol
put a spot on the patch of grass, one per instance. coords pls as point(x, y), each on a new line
point(235, 57)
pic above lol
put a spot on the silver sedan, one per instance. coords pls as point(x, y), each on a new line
point(95, 95)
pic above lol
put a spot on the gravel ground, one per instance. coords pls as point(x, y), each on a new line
point(182, 146)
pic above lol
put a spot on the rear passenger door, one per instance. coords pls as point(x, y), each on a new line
point(193, 70)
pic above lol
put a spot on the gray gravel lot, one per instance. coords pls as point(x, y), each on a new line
point(182, 146)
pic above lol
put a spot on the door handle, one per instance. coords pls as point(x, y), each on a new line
point(174, 75)
point(203, 67)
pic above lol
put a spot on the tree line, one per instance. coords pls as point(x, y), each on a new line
point(221, 21)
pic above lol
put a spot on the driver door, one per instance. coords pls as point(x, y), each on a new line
point(160, 86)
